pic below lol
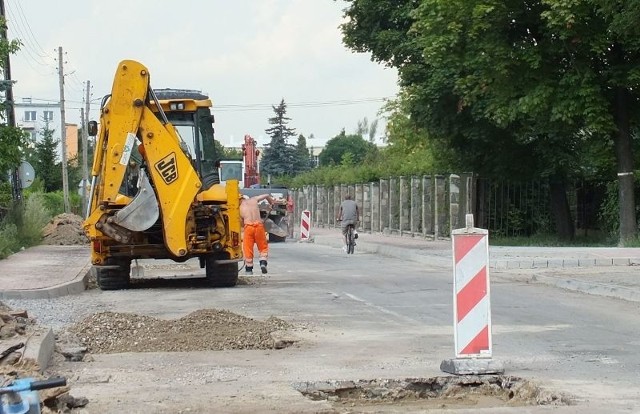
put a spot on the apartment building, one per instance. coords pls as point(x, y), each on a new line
point(33, 117)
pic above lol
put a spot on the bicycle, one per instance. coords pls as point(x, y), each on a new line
point(351, 238)
point(21, 396)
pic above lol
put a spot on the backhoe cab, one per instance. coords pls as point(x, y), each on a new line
point(155, 190)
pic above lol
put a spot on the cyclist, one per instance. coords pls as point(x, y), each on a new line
point(349, 215)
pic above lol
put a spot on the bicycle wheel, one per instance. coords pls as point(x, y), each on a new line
point(350, 241)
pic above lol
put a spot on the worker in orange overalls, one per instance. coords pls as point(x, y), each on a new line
point(254, 232)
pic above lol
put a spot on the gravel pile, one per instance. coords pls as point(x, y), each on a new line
point(202, 330)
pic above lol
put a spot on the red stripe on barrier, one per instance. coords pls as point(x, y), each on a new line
point(463, 244)
point(472, 293)
point(479, 343)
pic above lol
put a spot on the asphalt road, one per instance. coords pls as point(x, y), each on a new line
point(358, 317)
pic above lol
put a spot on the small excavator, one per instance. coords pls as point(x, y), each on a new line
point(155, 190)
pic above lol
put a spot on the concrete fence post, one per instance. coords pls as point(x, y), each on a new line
point(405, 205)
point(427, 206)
point(313, 207)
point(365, 220)
point(375, 207)
point(394, 205)
point(384, 206)
point(326, 206)
point(440, 209)
point(359, 199)
point(416, 206)
point(319, 206)
point(454, 202)
point(336, 203)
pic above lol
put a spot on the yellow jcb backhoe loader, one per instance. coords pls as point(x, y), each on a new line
point(155, 190)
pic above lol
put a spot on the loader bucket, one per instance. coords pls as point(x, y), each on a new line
point(278, 226)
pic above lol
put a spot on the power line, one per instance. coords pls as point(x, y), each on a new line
point(263, 107)
point(28, 26)
point(31, 56)
point(57, 100)
point(31, 51)
point(241, 107)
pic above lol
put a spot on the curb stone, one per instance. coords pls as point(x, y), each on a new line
point(77, 285)
point(591, 288)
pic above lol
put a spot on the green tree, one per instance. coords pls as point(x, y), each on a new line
point(279, 156)
point(12, 139)
point(337, 148)
point(501, 83)
point(231, 153)
point(44, 160)
point(368, 130)
point(303, 161)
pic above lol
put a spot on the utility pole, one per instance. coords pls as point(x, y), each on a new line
point(83, 189)
point(16, 189)
point(65, 177)
point(85, 150)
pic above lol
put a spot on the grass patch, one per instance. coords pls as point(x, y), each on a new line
point(551, 240)
point(22, 226)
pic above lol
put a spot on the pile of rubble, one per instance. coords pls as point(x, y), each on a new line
point(15, 330)
point(64, 229)
point(202, 330)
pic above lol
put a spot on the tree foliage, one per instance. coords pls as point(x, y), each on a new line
point(513, 88)
point(280, 157)
point(346, 149)
point(11, 142)
point(367, 129)
point(304, 162)
point(12, 139)
point(44, 159)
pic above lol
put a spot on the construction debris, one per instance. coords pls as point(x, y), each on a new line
point(64, 229)
point(16, 324)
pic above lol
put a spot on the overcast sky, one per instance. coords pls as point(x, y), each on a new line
point(245, 54)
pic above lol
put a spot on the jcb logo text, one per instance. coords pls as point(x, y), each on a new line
point(168, 168)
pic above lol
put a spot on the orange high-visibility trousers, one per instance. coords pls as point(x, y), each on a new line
point(254, 233)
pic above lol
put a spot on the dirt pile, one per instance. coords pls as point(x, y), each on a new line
point(64, 229)
point(202, 330)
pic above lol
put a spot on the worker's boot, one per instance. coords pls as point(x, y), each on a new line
point(263, 266)
point(248, 270)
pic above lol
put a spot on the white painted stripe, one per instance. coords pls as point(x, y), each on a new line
point(471, 264)
point(475, 321)
point(379, 308)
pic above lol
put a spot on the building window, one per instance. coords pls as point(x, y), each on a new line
point(34, 136)
point(48, 116)
point(29, 115)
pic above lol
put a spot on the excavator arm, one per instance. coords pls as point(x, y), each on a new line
point(128, 122)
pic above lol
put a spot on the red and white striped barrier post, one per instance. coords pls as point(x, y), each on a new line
point(471, 303)
point(305, 225)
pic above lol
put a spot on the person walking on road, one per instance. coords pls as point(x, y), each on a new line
point(254, 232)
point(349, 214)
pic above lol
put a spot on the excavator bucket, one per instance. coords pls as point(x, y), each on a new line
point(277, 227)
